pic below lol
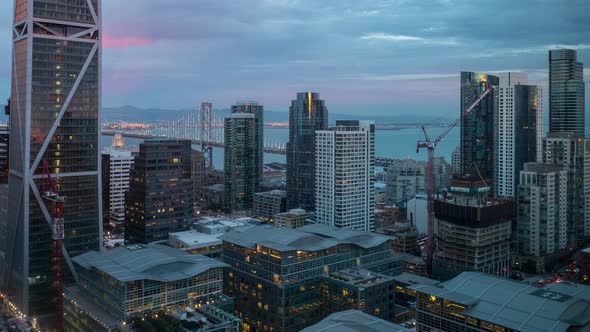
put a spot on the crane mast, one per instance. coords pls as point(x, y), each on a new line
point(430, 145)
point(57, 228)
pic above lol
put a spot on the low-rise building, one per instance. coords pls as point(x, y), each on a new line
point(354, 321)
point(294, 218)
point(275, 272)
point(478, 302)
point(194, 242)
point(268, 204)
point(137, 280)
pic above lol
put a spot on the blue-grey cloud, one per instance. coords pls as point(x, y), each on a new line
point(374, 56)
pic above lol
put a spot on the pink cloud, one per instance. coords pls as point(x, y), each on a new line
point(110, 41)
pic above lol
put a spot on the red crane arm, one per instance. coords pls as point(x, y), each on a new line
point(466, 112)
point(48, 174)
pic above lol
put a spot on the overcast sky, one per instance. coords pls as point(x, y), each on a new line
point(363, 56)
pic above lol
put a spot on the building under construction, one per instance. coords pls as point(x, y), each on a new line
point(474, 230)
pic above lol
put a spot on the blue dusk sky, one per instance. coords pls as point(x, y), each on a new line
point(377, 57)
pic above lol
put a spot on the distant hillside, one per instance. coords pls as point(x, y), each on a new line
point(134, 114)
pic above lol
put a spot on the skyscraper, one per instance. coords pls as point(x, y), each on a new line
point(477, 128)
point(566, 92)
point(519, 130)
point(572, 153)
point(258, 144)
point(160, 196)
point(345, 175)
point(541, 212)
point(116, 166)
point(306, 115)
point(56, 88)
point(240, 162)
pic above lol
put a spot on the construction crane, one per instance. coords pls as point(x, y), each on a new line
point(57, 228)
point(430, 145)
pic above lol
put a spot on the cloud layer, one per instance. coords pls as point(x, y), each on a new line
point(370, 56)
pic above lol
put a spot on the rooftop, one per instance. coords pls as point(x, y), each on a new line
point(359, 277)
point(516, 305)
point(414, 279)
point(147, 262)
point(194, 239)
point(354, 321)
point(307, 238)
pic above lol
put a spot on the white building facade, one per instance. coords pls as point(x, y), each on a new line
point(345, 175)
point(519, 125)
point(119, 165)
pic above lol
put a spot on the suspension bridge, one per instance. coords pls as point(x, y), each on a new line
point(203, 127)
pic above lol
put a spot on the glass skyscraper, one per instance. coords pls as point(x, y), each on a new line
point(258, 111)
point(240, 162)
point(477, 128)
point(56, 89)
point(306, 115)
point(160, 196)
point(566, 92)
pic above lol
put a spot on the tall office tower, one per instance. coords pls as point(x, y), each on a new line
point(160, 196)
point(566, 93)
point(306, 115)
point(197, 174)
point(572, 153)
point(258, 143)
point(407, 177)
point(519, 133)
point(477, 128)
point(474, 230)
point(54, 115)
point(345, 175)
point(541, 213)
point(116, 166)
point(4, 152)
point(240, 162)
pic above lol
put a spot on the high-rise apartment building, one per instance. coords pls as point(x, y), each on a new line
point(160, 196)
point(566, 93)
point(407, 177)
point(240, 162)
point(116, 166)
point(269, 203)
point(572, 153)
point(519, 132)
point(54, 114)
point(198, 174)
point(345, 175)
point(307, 114)
point(473, 230)
point(477, 128)
point(456, 161)
point(257, 110)
point(541, 212)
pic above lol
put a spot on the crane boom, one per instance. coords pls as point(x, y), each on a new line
point(430, 176)
point(466, 112)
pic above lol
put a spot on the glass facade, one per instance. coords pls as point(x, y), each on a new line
point(55, 116)
point(258, 145)
point(240, 162)
point(566, 92)
point(306, 115)
point(477, 128)
point(160, 196)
